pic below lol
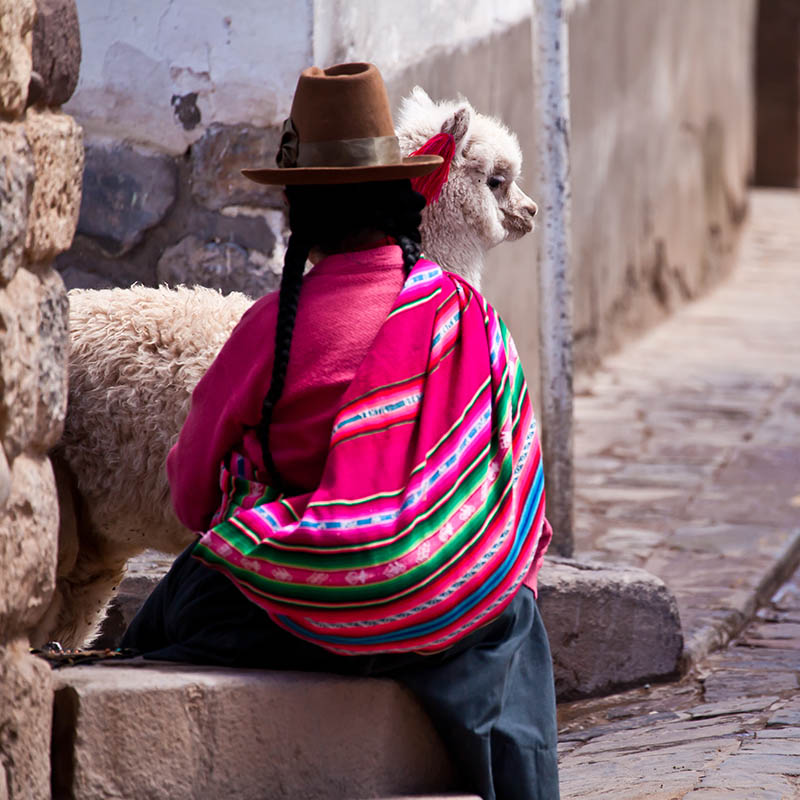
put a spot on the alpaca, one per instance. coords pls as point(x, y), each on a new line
point(136, 354)
point(481, 205)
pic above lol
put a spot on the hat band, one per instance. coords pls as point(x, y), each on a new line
point(372, 151)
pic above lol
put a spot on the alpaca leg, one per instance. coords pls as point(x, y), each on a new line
point(87, 572)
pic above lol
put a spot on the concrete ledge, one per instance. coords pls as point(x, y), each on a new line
point(164, 731)
point(610, 627)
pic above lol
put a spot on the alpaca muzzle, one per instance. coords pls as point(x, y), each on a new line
point(518, 219)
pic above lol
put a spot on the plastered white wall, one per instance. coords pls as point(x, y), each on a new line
point(397, 33)
point(241, 58)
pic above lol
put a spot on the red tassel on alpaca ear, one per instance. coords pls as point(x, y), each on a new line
point(430, 185)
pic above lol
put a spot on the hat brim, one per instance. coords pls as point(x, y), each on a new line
point(410, 167)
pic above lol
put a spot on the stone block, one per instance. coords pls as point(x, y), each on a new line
point(57, 144)
point(51, 405)
point(609, 627)
point(87, 266)
point(16, 29)
point(56, 50)
point(18, 361)
point(33, 352)
point(217, 159)
point(26, 711)
point(125, 192)
point(16, 187)
point(28, 545)
point(244, 734)
point(226, 266)
point(5, 478)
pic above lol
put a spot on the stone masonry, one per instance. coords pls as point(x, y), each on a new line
point(41, 161)
point(153, 218)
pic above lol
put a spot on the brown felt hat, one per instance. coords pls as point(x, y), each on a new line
point(341, 131)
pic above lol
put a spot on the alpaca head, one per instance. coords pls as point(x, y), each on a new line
point(481, 204)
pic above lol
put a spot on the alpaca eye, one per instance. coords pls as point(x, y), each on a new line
point(493, 181)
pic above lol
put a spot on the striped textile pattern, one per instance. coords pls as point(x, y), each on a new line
point(431, 504)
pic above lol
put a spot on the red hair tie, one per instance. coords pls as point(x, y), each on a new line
point(430, 185)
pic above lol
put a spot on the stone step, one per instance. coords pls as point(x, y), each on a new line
point(610, 626)
point(164, 731)
point(142, 729)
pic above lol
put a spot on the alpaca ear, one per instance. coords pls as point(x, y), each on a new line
point(414, 106)
point(458, 126)
point(420, 96)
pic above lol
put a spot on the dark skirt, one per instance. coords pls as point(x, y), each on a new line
point(490, 696)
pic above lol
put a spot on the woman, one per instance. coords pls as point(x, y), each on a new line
point(368, 492)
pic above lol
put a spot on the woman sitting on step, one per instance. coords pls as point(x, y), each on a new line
point(368, 491)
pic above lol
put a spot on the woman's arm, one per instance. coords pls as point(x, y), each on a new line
point(225, 402)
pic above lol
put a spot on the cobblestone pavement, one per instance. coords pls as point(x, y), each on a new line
point(730, 730)
point(688, 442)
point(688, 464)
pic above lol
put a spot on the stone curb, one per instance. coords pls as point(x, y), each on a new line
point(745, 603)
point(610, 627)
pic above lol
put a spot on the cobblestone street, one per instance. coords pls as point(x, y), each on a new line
point(688, 459)
point(730, 729)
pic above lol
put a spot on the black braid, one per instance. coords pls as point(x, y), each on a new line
point(325, 217)
point(291, 280)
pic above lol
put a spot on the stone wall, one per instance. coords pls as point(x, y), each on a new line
point(662, 141)
point(41, 161)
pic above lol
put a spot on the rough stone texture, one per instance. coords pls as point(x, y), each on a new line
point(16, 26)
point(33, 351)
point(608, 626)
point(19, 361)
point(56, 50)
point(87, 266)
point(5, 479)
point(778, 93)
point(57, 144)
point(16, 188)
point(51, 406)
point(28, 534)
point(244, 734)
point(125, 192)
point(219, 156)
point(220, 265)
point(26, 708)
point(41, 158)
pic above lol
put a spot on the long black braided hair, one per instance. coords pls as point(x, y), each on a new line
point(328, 217)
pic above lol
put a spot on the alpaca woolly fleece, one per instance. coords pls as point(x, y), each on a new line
point(481, 205)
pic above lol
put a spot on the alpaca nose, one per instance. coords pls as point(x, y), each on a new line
point(532, 208)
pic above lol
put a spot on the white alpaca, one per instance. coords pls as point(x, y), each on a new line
point(481, 204)
point(136, 355)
